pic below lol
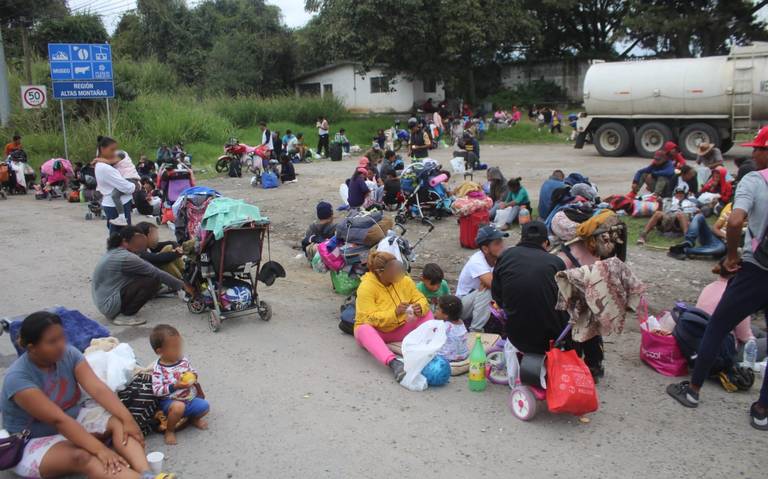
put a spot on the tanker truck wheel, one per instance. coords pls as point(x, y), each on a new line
point(694, 134)
point(651, 137)
point(726, 145)
point(612, 139)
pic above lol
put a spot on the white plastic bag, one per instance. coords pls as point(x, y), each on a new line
point(114, 367)
point(390, 245)
point(419, 347)
point(458, 165)
point(503, 216)
point(344, 193)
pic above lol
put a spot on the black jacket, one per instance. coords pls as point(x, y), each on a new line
point(524, 285)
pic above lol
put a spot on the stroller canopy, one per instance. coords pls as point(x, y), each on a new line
point(223, 213)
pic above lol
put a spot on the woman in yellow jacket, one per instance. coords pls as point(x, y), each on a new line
point(388, 308)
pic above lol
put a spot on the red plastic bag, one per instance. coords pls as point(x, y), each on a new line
point(659, 352)
point(570, 387)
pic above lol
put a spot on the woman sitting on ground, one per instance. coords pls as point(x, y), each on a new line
point(388, 307)
point(123, 282)
point(497, 188)
point(42, 394)
point(516, 198)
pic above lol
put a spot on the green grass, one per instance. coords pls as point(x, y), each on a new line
point(655, 238)
point(526, 132)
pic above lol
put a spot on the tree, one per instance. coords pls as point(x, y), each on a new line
point(22, 15)
point(685, 28)
point(587, 28)
point(424, 38)
point(79, 28)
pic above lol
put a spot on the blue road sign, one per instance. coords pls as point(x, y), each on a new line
point(83, 90)
point(80, 61)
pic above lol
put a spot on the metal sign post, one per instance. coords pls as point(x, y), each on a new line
point(64, 130)
point(109, 119)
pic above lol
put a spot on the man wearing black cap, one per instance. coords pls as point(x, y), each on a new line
point(524, 285)
point(474, 287)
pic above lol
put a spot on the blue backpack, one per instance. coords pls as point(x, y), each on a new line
point(269, 180)
point(347, 315)
point(688, 332)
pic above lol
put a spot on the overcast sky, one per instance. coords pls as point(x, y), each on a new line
point(111, 10)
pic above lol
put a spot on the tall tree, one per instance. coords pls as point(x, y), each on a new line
point(685, 28)
point(79, 28)
point(588, 28)
point(425, 38)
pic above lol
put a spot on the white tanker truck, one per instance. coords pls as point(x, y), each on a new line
point(642, 104)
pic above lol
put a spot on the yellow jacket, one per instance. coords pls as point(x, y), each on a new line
point(376, 303)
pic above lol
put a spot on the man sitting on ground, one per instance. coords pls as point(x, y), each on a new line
point(671, 151)
point(554, 182)
point(474, 287)
point(674, 216)
point(659, 176)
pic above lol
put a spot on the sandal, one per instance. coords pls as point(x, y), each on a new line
point(683, 394)
point(757, 420)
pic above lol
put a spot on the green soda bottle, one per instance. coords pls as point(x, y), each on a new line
point(477, 360)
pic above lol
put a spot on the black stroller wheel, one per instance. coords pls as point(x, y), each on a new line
point(89, 216)
point(265, 311)
point(214, 321)
point(222, 165)
point(196, 305)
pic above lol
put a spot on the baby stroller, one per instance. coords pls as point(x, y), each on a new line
point(229, 269)
point(189, 213)
point(172, 180)
point(424, 194)
point(86, 177)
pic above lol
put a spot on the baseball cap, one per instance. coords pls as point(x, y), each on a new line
point(534, 232)
point(760, 141)
point(669, 146)
point(489, 233)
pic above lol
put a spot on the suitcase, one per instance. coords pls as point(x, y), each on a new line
point(468, 226)
point(335, 151)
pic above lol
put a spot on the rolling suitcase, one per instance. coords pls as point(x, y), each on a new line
point(335, 151)
point(468, 226)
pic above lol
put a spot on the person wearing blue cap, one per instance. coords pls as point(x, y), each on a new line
point(320, 230)
point(474, 287)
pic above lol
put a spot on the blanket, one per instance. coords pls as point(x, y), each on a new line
point(597, 297)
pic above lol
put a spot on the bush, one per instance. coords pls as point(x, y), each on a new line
point(148, 76)
point(245, 111)
point(535, 92)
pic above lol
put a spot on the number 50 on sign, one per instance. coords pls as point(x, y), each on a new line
point(34, 96)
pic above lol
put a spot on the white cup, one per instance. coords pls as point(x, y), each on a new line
point(155, 460)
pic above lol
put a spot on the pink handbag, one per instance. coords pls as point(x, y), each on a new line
point(660, 352)
point(333, 259)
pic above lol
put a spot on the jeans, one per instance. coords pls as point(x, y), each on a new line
point(323, 145)
point(137, 293)
point(476, 309)
point(111, 213)
point(699, 230)
point(746, 294)
point(375, 341)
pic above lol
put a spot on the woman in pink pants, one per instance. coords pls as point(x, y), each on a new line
point(388, 307)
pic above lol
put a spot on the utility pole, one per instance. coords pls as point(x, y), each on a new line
point(5, 99)
point(27, 53)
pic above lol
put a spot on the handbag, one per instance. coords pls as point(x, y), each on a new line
point(12, 449)
point(661, 353)
point(570, 386)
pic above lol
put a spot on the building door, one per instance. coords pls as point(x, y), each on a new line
point(328, 89)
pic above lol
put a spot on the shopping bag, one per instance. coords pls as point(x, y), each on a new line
point(570, 387)
point(331, 255)
point(419, 347)
point(344, 284)
point(658, 351)
point(503, 216)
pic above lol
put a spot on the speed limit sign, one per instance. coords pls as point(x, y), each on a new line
point(34, 96)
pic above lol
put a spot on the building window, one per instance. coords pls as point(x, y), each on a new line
point(379, 84)
point(309, 89)
point(328, 89)
point(430, 86)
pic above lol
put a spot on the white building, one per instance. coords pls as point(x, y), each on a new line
point(370, 91)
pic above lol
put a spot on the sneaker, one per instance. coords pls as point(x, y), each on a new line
point(398, 369)
point(128, 321)
point(683, 394)
point(119, 221)
point(757, 419)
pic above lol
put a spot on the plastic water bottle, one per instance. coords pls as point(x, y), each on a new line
point(477, 361)
point(524, 216)
point(750, 354)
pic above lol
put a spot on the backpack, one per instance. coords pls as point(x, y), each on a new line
point(688, 332)
point(235, 168)
point(347, 315)
point(760, 242)
point(269, 180)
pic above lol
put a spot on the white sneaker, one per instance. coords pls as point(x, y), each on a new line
point(119, 221)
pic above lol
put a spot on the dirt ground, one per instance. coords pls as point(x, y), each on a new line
point(296, 398)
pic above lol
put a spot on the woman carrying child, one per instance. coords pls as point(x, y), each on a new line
point(116, 190)
point(388, 307)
